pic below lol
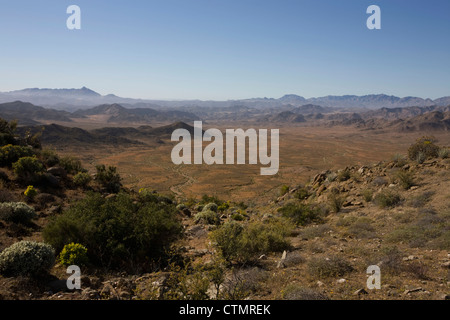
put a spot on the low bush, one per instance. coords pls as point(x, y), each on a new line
point(336, 202)
point(329, 267)
point(82, 179)
point(424, 147)
point(7, 132)
point(367, 195)
point(302, 194)
point(362, 228)
point(387, 198)
point(71, 165)
point(73, 254)
point(343, 175)
point(210, 206)
point(26, 258)
point(399, 160)
point(315, 231)
point(207, 217)
point(118, 231)
point(108, 178)
point(283, 190)
point(405, 179)
point(444, 153)
point(11, 153)
point(17, 212)
point(245, 243)
point(28, 169)
point(49, 157)
point(30, 193)
point(299, 213)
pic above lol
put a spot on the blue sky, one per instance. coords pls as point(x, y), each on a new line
point(227, 49)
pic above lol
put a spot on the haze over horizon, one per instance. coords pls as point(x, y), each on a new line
point(214, 50)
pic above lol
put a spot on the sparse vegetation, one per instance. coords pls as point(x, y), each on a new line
point(387, 198)
point(335, 266)
point(299, 213)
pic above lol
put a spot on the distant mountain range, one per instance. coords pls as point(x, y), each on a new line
point(73, 99)
point(29, 114)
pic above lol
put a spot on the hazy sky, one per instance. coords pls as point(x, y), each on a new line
point(227, 49)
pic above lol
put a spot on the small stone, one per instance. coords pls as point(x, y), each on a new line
point(341, 281)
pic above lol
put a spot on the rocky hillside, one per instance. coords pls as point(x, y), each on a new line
point(315, 241)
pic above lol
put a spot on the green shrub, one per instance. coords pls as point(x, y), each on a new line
point(7, 132)
point(118, 231)
point(71, 165)
point(283, 190)
point(424, 145)
point(405, 179)
point(73, 254)
point(362, 228)
point(444, 153)
point(207, 217)
point(420, 157)
point(245, 243)
point(399, 160)
point(11, 153)
point(224, 206)
point(367, 195)
point(210, 206)
point(336, 202)
point(108, 178)
point(329, 267)
point(237, 217)
point(17, 212)
point(28, 169)
point(49, 157)
point(82, 179)
point(343, 175)
point(302, 194)
point(387, 198)
point(315, 231)
point(26, 258)
point(300, 213)
point(30, 193)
